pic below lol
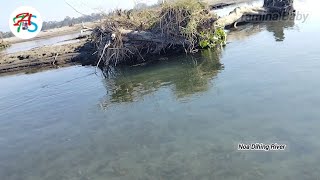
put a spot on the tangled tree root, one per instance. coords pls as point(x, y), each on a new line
point(129, 37)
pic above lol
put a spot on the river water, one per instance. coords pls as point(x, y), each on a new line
point(28, 45)
point(180, 118)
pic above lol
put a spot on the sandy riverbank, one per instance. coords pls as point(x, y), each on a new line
point(48, 57)
point(53, 33)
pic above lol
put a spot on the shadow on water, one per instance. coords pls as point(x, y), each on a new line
point(277, 28)
point(187, 75)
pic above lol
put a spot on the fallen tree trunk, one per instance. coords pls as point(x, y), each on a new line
point(145, 36)
point(237, 15)
point(271, 10)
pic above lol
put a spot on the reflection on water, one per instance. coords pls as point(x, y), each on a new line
point(277, 28)
point(186, 75)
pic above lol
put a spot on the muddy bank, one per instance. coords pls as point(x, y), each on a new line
point(43, 57)
point(54, 32)
point(48, 57)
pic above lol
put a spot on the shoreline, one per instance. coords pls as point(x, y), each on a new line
point(55, 56)
point(53, 33)
point(47, 57)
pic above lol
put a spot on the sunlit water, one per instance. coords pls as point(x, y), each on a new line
point(59, 40)
point(175, 119)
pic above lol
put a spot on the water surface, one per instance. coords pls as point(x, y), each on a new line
point(179, 118)
point(25, 46)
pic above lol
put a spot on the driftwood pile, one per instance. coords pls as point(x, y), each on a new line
point(271, 10)
point(129, 37)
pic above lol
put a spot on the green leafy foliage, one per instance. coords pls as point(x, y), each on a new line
point(212, 40)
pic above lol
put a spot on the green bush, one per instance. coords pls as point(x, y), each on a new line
point(212, 40)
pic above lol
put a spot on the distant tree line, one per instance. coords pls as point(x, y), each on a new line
point(5, 34)
point(67, 21)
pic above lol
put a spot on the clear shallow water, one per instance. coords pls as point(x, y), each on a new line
point(176, 119)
